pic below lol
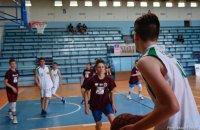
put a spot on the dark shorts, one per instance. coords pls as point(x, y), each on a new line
point(97, 114)
point(12, 97)
point(84, 83)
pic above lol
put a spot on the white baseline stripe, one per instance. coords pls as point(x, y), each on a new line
point(78, 109)
point(92, 124)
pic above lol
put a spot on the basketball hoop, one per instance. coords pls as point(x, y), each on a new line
point(40, 26)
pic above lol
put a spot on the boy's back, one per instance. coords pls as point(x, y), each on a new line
point(188, 115)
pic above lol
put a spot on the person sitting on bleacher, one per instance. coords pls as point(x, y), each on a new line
point(84, 28)
point(180, 38)
point(79, 28)
point(70, 28)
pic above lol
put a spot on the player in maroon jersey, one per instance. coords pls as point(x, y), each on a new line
point(11, 82)
point(101, 96)
point(88, 72)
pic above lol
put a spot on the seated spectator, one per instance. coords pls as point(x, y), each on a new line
point(180, 38)
point(79, 28)
point(84, 28)
point(70, 28)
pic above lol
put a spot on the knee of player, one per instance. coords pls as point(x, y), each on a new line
point(99, 124)
point(13, 106)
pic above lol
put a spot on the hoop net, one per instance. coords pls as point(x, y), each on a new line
point(40, 26)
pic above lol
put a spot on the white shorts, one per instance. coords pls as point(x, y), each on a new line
point(46, 92)
point(55, 88)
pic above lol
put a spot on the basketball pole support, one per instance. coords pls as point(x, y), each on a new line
point(16, 20)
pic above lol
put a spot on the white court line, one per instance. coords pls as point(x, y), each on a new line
point(53, 103)
point(92, 124)
point(73, 96)
point(134, 93)
point(78, 109)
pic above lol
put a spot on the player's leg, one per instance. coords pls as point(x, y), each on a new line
point(10, 114)
point(42, 92)
point(47, 95)
point(54, 93)
point(111, 117)
point(42, 105)
point(108, 111)
point(9, 96)
point(140, 90)
point(131, 86)
point(10, 99)
point(45, 106)
point(13, 109)
point(98, 125)
point(46, 103)
point(97, 115)
point(83, 94)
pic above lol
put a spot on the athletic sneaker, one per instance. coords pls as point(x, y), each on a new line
point(63, 100)
point(129, 97)
point(15, 120)
point(42, 112)
point(10, 115)
point(141, 97)
point(45, 114)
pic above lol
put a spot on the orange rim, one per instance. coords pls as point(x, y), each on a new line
point(35, 23)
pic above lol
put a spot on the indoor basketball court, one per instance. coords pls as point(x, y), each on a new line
point(75, 34)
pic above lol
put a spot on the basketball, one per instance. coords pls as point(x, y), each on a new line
point(123, 120)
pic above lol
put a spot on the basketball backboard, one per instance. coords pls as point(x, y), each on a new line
point(13, 13)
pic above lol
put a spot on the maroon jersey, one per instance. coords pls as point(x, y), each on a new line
point(100, 91)
point(87, 73)
point(133, 79)
point(12, 77)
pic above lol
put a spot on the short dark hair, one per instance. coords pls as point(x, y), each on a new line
point(99, 61)
point(12, 60)
point(41, 58)
point(54, 63)
point(89, 63)
point(147, 27)
point(136, 61)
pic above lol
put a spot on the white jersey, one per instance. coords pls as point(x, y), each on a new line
point(55, 75)
point(44, 77)
point(188, 117)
